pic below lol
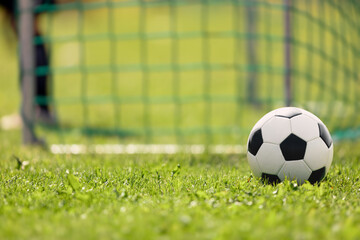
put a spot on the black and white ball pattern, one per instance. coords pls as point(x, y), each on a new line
point(290, 143)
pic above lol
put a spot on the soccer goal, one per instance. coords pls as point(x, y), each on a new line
point(169, 76)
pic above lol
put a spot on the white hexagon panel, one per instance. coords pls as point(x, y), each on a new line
point(270, 158)
point(276, 130)
point(304, 127)
point(263, 120)
point(295, 170)
point(254, 165)
point(316, 154)
point(311, 115)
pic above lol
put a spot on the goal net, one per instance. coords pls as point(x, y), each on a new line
point(191, 72)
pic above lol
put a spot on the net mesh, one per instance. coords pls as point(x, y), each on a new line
point(156, 71)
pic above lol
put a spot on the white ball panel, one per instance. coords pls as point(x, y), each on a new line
point(276, 130)
point(317, 154)
point(254, 165)
point(304, 127)
point(330, 157)
point(295, 170)
point(265, 118)
point(270, 158)
point(260, 123)
point(311, 115)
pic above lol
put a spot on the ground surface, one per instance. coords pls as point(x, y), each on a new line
point(177, 197)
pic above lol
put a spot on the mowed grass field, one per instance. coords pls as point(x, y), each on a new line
point(169, 197)
point(180, 196)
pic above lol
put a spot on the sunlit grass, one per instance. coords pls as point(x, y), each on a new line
point(160, 196)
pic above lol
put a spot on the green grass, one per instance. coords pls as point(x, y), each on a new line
point(169, 197)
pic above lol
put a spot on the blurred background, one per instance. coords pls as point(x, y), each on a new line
point(187, 72)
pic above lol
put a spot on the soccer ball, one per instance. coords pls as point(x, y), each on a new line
point(290, 143)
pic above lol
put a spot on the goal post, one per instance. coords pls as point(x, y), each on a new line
point(27, 66)
point(189, 73)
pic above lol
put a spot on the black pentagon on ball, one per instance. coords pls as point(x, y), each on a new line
point(293, 148)
point(317, 175)
point(270, 178)
point(325, 135)
point(290, 114)
point(255, 141)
